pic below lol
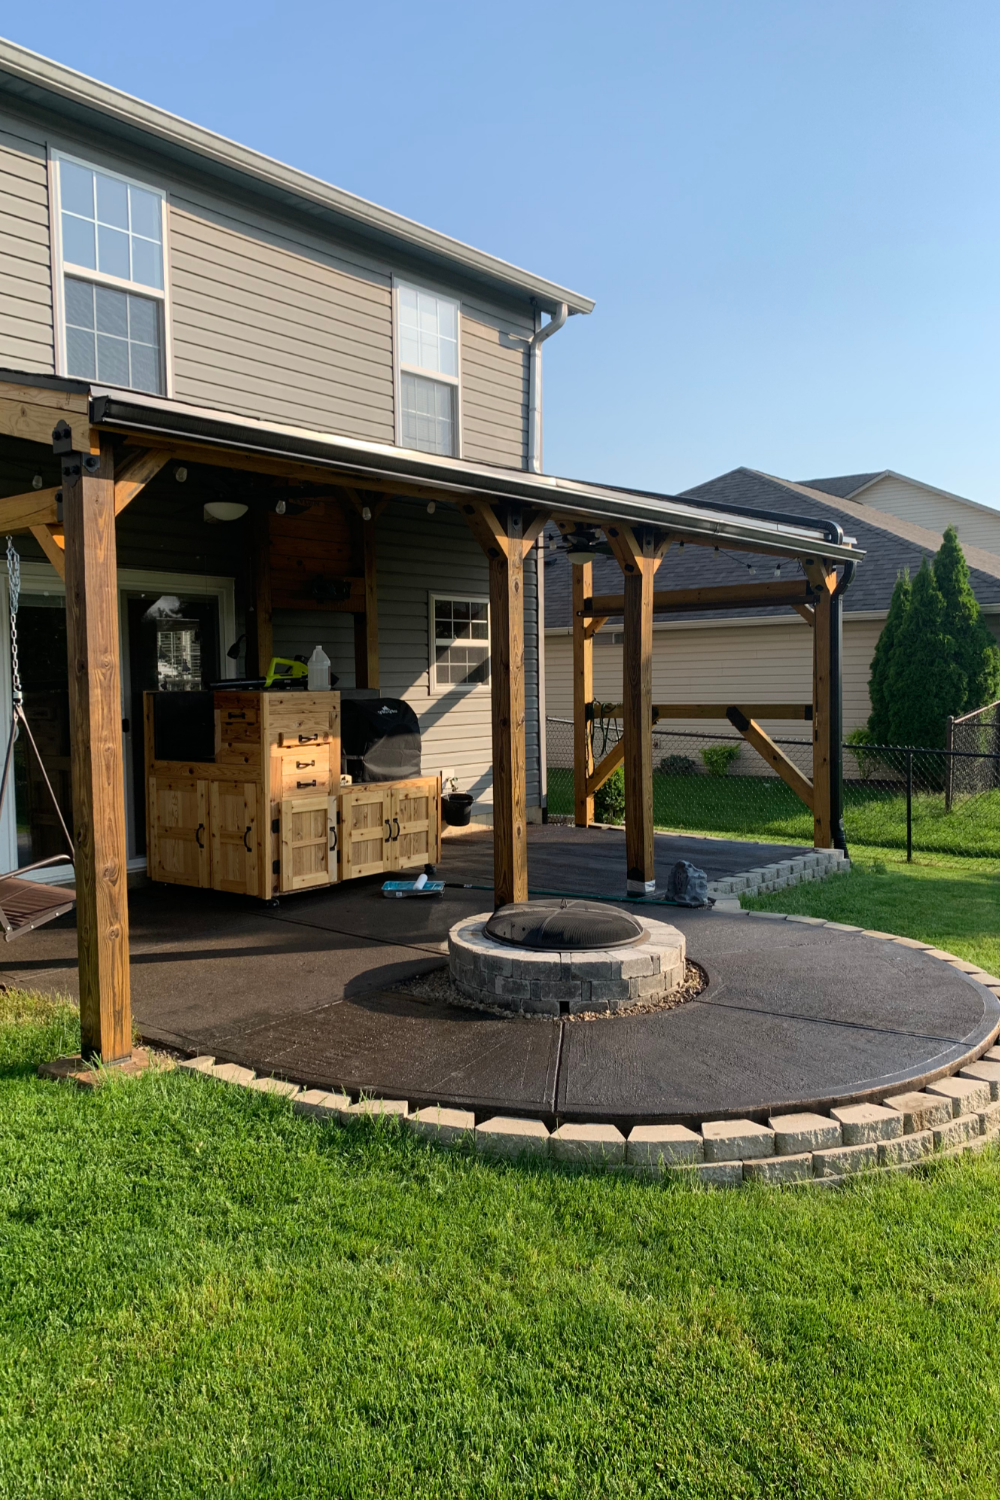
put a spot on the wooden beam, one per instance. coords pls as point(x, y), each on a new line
point(718, 710)
point(807, 612)
point(510, 852)
point(583, 697)
point(534, 529)
point(775, 757)
point(726, 596)
point(822, 767)
point(261, 633)
point(639, 553)
point(96, 754)
point(33, 508)
point(53, 549)
point(604, 768)
point(34, 420)
point(591, 627)
point(366, 625)
point(135, 473)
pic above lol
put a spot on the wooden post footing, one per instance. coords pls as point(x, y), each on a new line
point(75, 1069)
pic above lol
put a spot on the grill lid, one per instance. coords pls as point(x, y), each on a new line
point(564, 924)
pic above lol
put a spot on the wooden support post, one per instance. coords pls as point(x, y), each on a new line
point(503, 542)
point(583, 698)
point(96, 754)
point(261, 638)
point(639, 557)
point(822, 764)
point(366, 625)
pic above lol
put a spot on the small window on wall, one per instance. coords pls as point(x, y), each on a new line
point(427, 341)
point(460, 643)
point(113, 283)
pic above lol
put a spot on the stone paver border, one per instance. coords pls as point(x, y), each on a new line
point(957, 1113)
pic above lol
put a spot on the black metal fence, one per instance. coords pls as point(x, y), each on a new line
point(896, 797)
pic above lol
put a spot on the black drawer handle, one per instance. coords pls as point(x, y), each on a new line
point(307, 739)
point(303, 765)
point(245, 837)
point(197, 835)
point(306, 783)
point(388, 832)
point(235, 716)
point(333, 830)
point(396, 834)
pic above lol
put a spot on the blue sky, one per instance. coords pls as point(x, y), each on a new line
point(786, 210)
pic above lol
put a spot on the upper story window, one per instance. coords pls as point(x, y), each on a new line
point(427, 341)
point(113, 284)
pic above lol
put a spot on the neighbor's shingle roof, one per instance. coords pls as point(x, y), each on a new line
point(842, 485)
point(890, 545)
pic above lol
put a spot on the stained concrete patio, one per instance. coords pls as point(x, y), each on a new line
point(793, 1014)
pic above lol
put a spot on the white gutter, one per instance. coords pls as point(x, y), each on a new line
point(535, 386)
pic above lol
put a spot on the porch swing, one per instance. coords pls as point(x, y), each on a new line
point(26, 904)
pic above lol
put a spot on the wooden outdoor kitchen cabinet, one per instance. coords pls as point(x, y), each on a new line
point(267, 812)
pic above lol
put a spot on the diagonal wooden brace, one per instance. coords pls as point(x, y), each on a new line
point(776, 758)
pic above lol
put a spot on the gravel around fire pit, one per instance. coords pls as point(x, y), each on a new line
point(438, 986)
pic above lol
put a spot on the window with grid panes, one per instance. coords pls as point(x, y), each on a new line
point(111, 232)
point(428, 370)
point(461, 642)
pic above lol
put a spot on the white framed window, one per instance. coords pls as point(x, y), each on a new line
point(428, 371)
point(109, 238)
point(460, 642)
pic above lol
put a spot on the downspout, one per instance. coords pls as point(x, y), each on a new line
point(535, 386)
point(837, 707)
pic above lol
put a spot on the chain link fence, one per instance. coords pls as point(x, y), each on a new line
point(895, 796)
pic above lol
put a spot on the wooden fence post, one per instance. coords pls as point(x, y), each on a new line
point(96, 754)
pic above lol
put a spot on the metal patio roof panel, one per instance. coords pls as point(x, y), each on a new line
point(41, 82)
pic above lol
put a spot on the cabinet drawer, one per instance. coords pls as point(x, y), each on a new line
point(292, 722)
point(300, 771)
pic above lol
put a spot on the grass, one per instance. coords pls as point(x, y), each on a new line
point(762, 807)
point(203, 1294)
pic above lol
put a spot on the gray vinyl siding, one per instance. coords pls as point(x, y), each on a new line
point(494, 389)
point(277, 329)
point(417, 555)
point(26, 341)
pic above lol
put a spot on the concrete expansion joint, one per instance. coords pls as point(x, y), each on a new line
point(957, 1113)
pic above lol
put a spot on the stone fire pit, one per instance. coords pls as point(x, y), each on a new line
point(560, 957)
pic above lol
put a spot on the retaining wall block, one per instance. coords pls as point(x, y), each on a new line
point(920, 1111)
point(962, 1128)
point(609, 989)
point(844, 1159)
point(231, 1073)
point(984, 1072)
point(905, 1148)
point(390, 1108)
point(863, 1123)
point(321, 1104)
point(503, 1136)
point(774, 1169)
point(588, 1144)
point(736, 1140)
point(967, 1095)
point(658, 1146)
point(989, 1119)
point(196, 1064)
point(275, 1086)
point(991, 1055)
point(711, 1173)
point(442, 1125)
point(794, 1134)
point(537, 968)
point(512, 989)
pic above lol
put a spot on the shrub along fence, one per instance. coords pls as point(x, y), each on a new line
point(895, 796)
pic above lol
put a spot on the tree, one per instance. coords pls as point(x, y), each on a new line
point(974, 652)
point(925, 681)
point(880, 720)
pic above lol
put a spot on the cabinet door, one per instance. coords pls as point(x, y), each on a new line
point(414, 824)
point(365, 832)
point(305, 842)
point(179, 823)
point(235, 845)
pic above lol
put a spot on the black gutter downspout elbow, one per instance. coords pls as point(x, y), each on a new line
point(837, 707)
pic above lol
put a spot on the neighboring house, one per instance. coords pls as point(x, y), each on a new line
point(766, 655)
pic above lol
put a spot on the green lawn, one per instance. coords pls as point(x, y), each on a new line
point(762, 807)
point(202, 1294)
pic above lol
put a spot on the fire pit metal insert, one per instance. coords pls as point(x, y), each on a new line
point(565, 925)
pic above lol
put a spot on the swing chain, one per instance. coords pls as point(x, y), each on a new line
point(14, 599)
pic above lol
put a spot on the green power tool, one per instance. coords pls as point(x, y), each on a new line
point(286, 669)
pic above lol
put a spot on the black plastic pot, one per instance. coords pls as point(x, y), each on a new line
point(457, 809)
